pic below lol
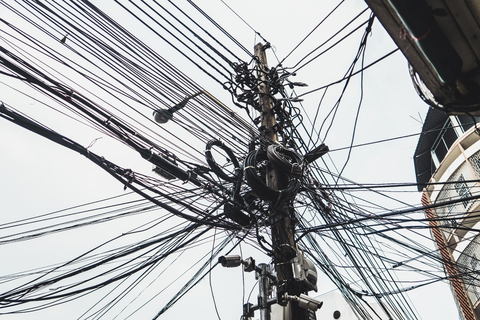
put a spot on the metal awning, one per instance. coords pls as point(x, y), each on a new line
point(441, 41)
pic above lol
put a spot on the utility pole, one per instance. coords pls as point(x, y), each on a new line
point(282, 226)
point(295, 275)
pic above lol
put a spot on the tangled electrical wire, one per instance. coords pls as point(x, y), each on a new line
point(98, 72)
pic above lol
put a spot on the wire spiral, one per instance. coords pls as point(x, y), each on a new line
point(216, 168)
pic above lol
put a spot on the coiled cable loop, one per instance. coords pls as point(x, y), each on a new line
point(237, 175)
point(286, 160)
point(254, 161)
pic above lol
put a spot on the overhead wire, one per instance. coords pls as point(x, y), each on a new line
point(362, 53)
point(348, 77)
point(352, 74)
point(328, 40)
point(204, 127)
point(313, 30)
point(248, 52)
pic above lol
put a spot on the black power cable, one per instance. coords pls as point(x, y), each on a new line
point(256, 162)
point(237, 175)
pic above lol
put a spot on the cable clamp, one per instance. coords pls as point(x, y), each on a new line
point(294, 165)
point(130, 175)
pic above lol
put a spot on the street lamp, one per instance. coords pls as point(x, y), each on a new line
point(163, 115)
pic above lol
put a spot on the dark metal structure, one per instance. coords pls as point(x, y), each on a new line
point(440, 39)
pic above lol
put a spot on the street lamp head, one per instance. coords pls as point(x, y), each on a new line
point(316, 153)
point(162, 115)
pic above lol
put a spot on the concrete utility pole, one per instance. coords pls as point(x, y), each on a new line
point(295, 275)
point(282, 226)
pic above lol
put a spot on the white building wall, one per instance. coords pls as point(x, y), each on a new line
point(461, 164)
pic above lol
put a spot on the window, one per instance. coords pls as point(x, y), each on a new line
point(474, 262)
point(453, 223)
point(444, 141)
point(462, 189)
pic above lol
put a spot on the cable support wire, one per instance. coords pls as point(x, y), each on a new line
point(110, 119)
point(194, 86)
point(127, 177)
point(89, 66)
point(297, 68)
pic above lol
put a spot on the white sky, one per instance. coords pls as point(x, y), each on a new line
point(39, 176)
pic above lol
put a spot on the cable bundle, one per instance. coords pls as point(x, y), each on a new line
point(286, 159)
point(259, 158)
point(214, 166)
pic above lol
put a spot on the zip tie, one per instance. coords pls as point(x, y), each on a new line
point(188, 178)
point(151, 153)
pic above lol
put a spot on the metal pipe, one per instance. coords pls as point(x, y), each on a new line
point(264, 289)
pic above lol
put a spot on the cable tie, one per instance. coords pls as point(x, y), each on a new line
point(151, 153)
point(249, 167)
point(188, 178)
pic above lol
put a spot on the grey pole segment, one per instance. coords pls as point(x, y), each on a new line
point(264, 290)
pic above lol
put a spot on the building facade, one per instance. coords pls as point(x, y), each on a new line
point(447, 165)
